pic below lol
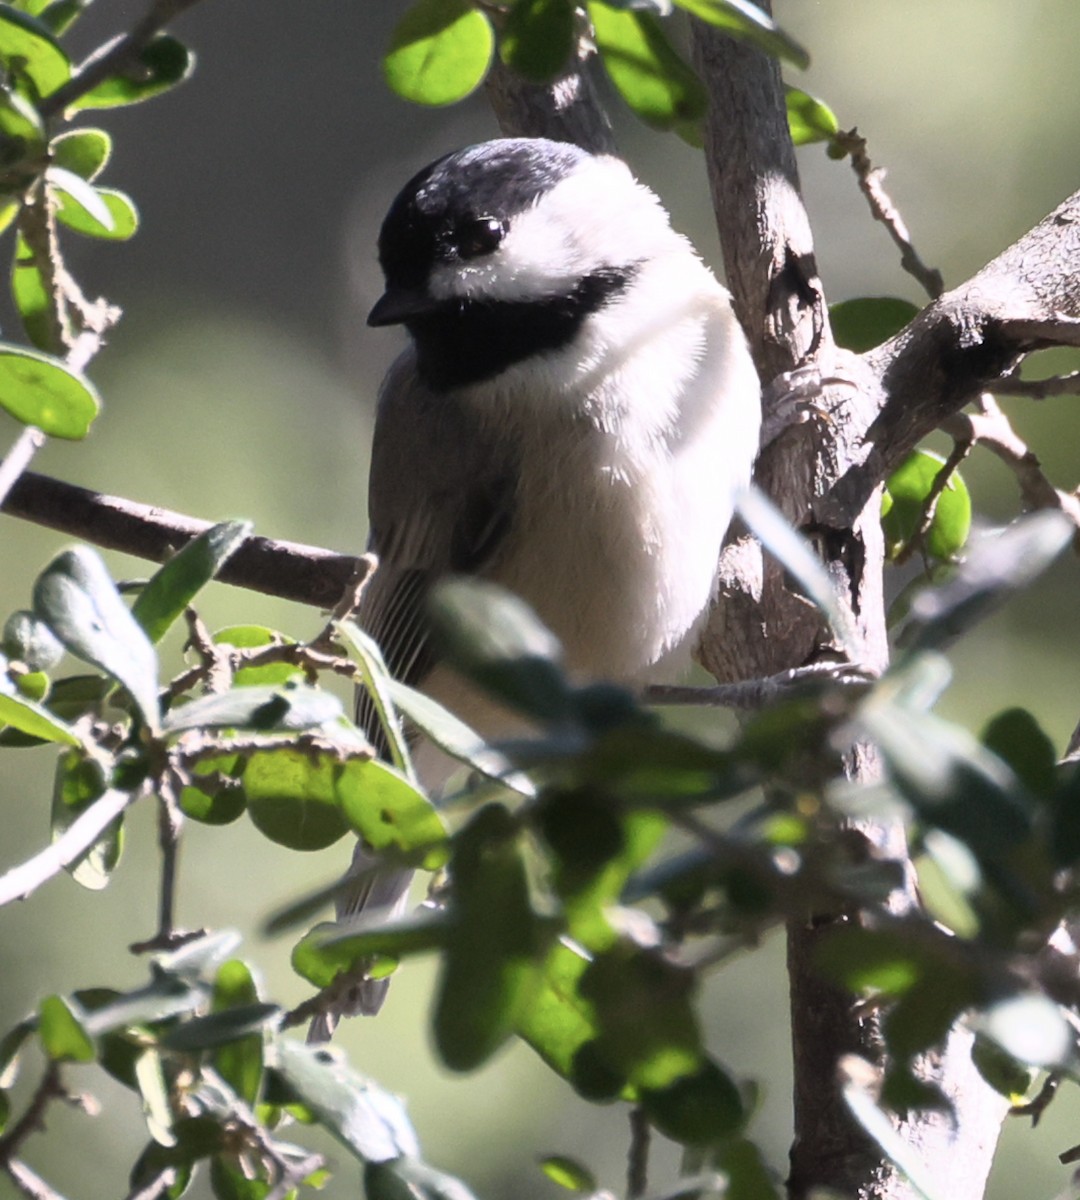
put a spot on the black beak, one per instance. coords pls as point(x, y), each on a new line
point(398, 305)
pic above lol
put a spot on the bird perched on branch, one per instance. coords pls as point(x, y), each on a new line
point(572, 418)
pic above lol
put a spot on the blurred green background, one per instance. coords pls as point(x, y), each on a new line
point(241, 381)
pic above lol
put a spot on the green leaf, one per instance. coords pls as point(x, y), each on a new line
point(113, 218)
point(200, 955)
point(1001, 1071)
point(904, 500)
point(79, 784)
point(11, 1045)
point(744, 1169)
point(222, 1028)
point(67, 187)
point(40, 390)
point(292, 798)
point(409, 1179)
point(860, 325)
point(368, 1121)
point(229, 1182)
point(29, 50)
point(495, 639)
point(490, 970)
point(33, 300)
point(996, 565)
point(1020, 741)
point(439, 52)
point(160, 65)
point(154, 1091)
point(290, 706)
point(62, 1033)
point(331, 949)
point(749, 23)
point(538, 38)
point(388, 812)
point(22, 144)
point(809, 119)
point(83, 152)
point(75, 595)
point(252, 637)
point(647, 72)
point(179, 581)
point(217, 798)
point(375, 680)
point(60, 15)
point(568, 1173)
point(21, 713)
point(1030, 1028)
point(701, 1109)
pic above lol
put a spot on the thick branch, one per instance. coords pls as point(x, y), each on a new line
point(306, 574)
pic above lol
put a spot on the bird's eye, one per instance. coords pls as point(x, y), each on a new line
point(478, 236)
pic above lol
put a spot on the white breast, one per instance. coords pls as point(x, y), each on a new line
point(629, 474)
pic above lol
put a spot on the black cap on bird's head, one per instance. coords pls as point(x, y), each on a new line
point(459, 208)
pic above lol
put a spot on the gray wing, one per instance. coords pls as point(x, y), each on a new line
point(440, 502)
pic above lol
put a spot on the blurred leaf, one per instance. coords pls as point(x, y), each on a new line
point(62, 1034)
point(1001, 1071)
point(769, 525)
point(439, 52)
point(749, 23)
point(455, 738)
point(60, 15)
point(79, 601)
point(996, 565)
point(949, 880)
point(40, 390)
point(292, 798)
point(490, 968)
point(568, 1173)
point(253, 637)
point(175, 585)
point(32, 299)
point(18, 712)
point(701, 1109)
point(538, 38)
point(888, 962)
point(860, 325)
point(22, 146)
point(921, 1019)
point(409, 1179)
point(164, 997)
point(121, 218)
point(365, 1119)
point(881, 1129)
point(28, 639)
point(649, 74)
point(388, 812)
point(333, 948)
point(495, 639)
point(229, 1182)
point(29, 50)
point(748, 1178)
point(904, 500)
point(1020, 741)
point(1030, 1028)
point(11, 1045)
point(161, 64)
point(67, 187)
point(79, 783)
point(221, 1028)
point(809, 119)
point(290, 706)
point(84, 151)
point(154, 1092)
point(200, 955)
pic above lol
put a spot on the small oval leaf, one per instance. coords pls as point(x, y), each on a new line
point(40, 390)
point(439, 52)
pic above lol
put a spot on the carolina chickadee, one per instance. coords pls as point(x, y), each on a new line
point(572, 418)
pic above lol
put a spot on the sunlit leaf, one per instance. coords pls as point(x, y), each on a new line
point(904, 502)
point(29, 49)
point(439, 52)
point(40, 390)
point(121, 218)
point(750, 23)
point(161, 64)
point(809, 119)
point(292, 798)
point(84, 152)
point(61, 1032)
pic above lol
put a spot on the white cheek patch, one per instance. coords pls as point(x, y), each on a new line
point(599, 217)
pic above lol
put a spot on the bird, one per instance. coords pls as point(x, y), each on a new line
point(572, 418)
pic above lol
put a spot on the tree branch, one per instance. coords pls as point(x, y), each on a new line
point(289, 570)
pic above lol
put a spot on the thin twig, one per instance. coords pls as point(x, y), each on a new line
point(1039, 389)
point(637, 1159)
point(871, 183)
point(28, 443)
point(30, 1183)
point(115, 57)
point(50, 1087)
point(74, 842)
